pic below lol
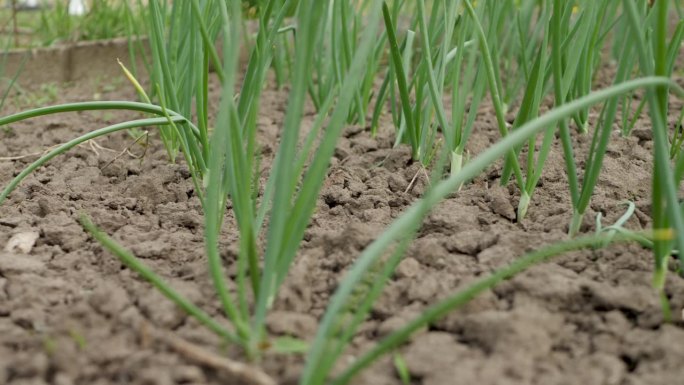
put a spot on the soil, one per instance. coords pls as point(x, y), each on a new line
point(71, 313)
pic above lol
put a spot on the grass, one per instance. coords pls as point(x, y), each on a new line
point(466, 50)
point(52, 24)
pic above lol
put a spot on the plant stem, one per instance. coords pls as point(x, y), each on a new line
point(523, 204)
point(575, 223)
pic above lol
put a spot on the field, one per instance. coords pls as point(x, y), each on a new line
point(279, 220)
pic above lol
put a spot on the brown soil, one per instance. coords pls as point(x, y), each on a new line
point(70, 313)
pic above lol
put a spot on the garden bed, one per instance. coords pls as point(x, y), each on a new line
point(84, 61)
point(70, 313)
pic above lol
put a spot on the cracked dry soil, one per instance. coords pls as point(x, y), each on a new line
point(70, 313)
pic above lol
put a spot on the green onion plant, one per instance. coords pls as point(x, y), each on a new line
point(447, 36)
point(666, 209)
point(345, 22)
